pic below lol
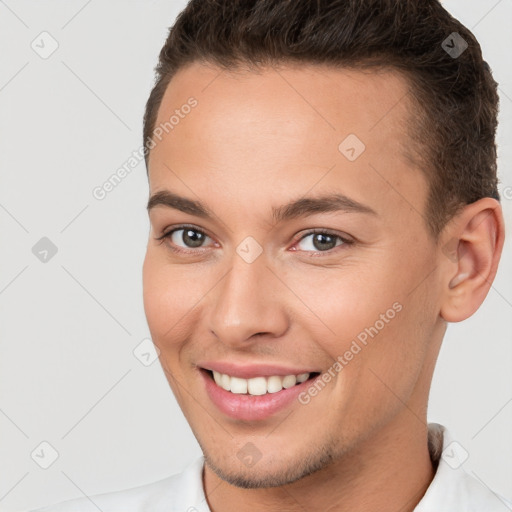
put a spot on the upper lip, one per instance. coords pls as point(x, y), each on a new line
point(252, 370)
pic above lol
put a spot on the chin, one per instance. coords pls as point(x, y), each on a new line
point(271, 473)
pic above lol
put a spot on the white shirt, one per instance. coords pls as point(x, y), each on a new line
point(451, 490)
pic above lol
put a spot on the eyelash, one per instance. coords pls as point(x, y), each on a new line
point(168, 234)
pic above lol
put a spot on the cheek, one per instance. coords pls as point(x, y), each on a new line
point(389, 369)
point(339, 303)
point(171, 293)
point(364, 313)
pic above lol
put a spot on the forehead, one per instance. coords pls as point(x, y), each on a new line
point(286, 128)
point(287, 97)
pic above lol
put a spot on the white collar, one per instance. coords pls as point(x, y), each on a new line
point(452, 489)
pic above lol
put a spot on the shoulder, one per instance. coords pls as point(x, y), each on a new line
point(180, 491)
point(462, 491)
point(452, 487)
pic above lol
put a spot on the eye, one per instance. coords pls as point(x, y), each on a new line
point(188, 238)
point(185, 238)
point(321, 241)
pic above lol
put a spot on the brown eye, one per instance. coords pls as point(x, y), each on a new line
point(320, 241)
point(188, 238)
point(185, 237)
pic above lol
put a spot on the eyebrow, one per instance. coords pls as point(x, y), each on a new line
point(302, 207)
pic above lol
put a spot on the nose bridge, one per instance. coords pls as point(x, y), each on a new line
point(244, 304)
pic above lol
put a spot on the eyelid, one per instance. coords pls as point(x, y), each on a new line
point(167, 231)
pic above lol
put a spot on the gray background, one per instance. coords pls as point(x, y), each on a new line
point(69, 326)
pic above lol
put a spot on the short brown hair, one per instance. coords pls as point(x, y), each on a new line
point(456, 96)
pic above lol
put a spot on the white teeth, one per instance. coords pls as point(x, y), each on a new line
point(274, 384)
point(258, 385)
point(218, 379)
point(289, 381)
point(225, 382)
point(238, 386)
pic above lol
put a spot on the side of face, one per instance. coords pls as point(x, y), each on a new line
point(256, 141)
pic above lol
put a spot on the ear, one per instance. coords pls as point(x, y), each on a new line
point(471, 247)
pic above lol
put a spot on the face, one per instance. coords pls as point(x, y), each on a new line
point(281, 246)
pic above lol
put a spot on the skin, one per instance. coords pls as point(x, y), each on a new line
point(258, 140)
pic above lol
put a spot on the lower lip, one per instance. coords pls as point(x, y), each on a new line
point(250, 407)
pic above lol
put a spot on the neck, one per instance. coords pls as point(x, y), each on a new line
point(390, 471)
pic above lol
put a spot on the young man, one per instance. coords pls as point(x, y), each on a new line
point(323, 201)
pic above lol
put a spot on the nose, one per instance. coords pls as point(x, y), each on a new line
point(248, 302)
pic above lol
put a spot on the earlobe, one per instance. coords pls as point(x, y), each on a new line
point(477, 236)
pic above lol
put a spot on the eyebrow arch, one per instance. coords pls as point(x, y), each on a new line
point(301, 207)
point(306, 206)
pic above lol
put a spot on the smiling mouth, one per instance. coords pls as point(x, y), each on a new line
point(257, 386)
